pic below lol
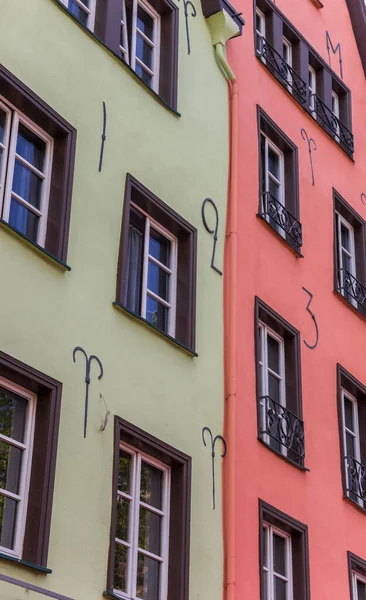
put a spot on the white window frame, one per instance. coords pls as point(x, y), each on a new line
point(129, 54)
point(268, 144)
point(27, 447)
point(288, 59)
point(265, 371)
point(171, 304)
point(335, 111)
point(133, 532)
point(355, 434)
point(312, 90)
point(356, 577)
point(260, 32)
point(89, 11)
point(16, 118)
point(269, 530)
point(350, 253)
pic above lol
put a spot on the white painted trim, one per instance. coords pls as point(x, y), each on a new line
point(342, 250)
point(271, 574)
point(261, 31)
point(153, 43)
point(335, 111)
point(312, 90)
point(356, 577)
point(5, 150)
point(288, 60)
point(355, 434)
point(125, 49)
point(89, 11)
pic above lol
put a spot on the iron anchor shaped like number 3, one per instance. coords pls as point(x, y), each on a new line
point(87, 378)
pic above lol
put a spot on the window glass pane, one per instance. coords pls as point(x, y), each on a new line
point(158, 281)
point(124, 472)
point(273, 354)
point(150, 531)
point(146, 78)
point(279, 554)
point(145, 23)
point(10, 465)
point(361, 590)
point(274, 189)
point(148, 578)
point(144, 51)
point(258, 23)
point(151, 485)
point(27, 184)
point(8, 512)
point(13, 410)
point(280, 589)
point(2, 124)
point(78, 12)
point(350, 445)
point(123, 514)
point(159, 247)
point(345, 237)
point(348, 414)
point(23, 220)
point(274, 388)
point(30, 147)
point(346, 262)
point(273, 163)
point(157, 314)
point(120, 567)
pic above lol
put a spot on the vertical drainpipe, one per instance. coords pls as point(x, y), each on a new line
point(222, 29)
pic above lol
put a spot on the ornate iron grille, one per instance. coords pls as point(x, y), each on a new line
point(351, 288)
point(356, 480)
point(277, 215)
point(328, 121)
point(282, 426)
point(276, 64)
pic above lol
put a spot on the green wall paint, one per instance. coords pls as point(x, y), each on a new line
point(45, 312)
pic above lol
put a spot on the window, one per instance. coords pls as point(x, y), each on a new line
point(280, 424)
point(283, 556)
point(312, 90)
point(83, 11)
point(287, 57)
point(352, 415)
point(156, 273)
point(145, 35)
point(36, 167)
point(149, 554)
point(335, 111)
point(277, 565)
point(260, 28)
point(29, 418)
point(278, 171)
point(357, 571)
point(349, 258)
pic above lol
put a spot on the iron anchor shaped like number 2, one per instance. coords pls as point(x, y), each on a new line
point(87, 378)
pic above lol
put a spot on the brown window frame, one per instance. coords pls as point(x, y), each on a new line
point(64, 137)
point(357, 389)
point(187, 258)
point(299, 544)
point(291, 171)
point(38, 519)
point(357, 564)
point(291, 337)
point(358, 223)
point(180, 504)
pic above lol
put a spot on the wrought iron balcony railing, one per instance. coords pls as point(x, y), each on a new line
point(276, 64)
point(327, 119)
point(356, 480)
point(284, 428)
point(351, 288)
point(277, 215)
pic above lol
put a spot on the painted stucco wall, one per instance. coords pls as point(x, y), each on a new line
point(44, 312)
point(268, 269)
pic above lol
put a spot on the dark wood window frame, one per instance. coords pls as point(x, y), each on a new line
point(357, 389)
point(357, 564)
point(291, 337)
point(64, 137)
point(107, 31)
point(180, 504)
point(304, 55)
point(358, 223)
point(300, 548)
point(291, 173)
point(357, 12)
point(187, 258)
point(38, 519)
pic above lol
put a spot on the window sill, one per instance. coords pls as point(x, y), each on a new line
point(35, 247)
point(304, 108)
point(288, 460)
point(283, 240)
point(166, 336)
point(25, 563)
point(357, 311)
point(120, 60)
point(350, 501)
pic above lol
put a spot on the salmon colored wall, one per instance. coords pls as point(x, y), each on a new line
point(269, 269)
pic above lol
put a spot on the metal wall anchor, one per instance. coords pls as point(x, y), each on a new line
point(87, 378)
point(213, 443)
